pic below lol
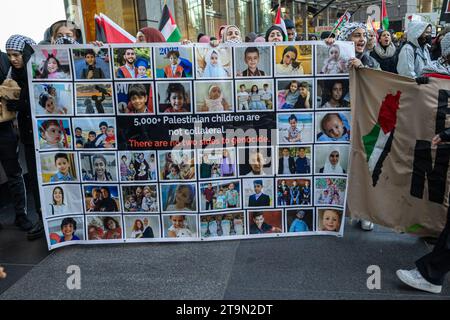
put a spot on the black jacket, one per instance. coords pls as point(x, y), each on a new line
point(281, 165)
point(386, 64)
point(4, 66)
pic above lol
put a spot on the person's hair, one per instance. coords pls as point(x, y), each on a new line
point(257, 214)
point(53, 194)
point(135, 227)
point(199, 36)
point(178, 215)
point(242, 85)
point(251, 50)
point(137, 90)
point(173, 53)
point(175, 166)
point(43, 98)
point(61, 155)
point(327, 118)
point(89, 52)
point(334, 46)
point(107, 219)
point(103, 124)
point(288, 87)
point(67, 221)
point(192, 195)
point(290, 49)
point(46, 124)
point(176, 88)
point(92, 133)
point(302, 148)
point(78, 128)
point(257, 89)
point(45, 68)
point(265, 85)
point(304, 84)
point(69, 24)
point(106, 188)
point(99, 156)
point(292, 117)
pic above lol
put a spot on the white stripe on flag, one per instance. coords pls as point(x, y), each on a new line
point(168, 29)
point(378, 149)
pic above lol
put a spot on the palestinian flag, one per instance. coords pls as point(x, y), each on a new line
point(110, 32)
point(378, 142)
point(280, 22)
point(384, 16)
point(342, 21)
point(168, 26)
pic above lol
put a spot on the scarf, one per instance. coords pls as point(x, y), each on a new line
point(385, 53)
point(329, 168)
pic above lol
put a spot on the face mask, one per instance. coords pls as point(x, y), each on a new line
point(428, 40)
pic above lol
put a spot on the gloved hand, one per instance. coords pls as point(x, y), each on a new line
point(13, 105)
point(422, 80)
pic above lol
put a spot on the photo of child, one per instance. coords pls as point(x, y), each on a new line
point(174, 97)
point(104, 227)
point(329, 219)
point(217, 97)
point(266, 221)
point(142, 227)
point(293, 94)
point(295, 128)
point(173, 62)
point(293, 60)
point(58, 167)
point(217, 163)
point(54, 134)
point(137, 166)
point(135, 98)
point(51, 65)
point(101, 198)
point(179, 197)
point(253, 61)
point(255, 162)
point(332, 127)
point(99, 133)
point(91, 64)
point(331, 159)
point(222, 225)
point(98, 167)
point(300, 220)
point(293, 192)
point(258, 193)
point(214, 63)
point(54, 99)
point(254, 95)
point(94, 99)
point(218, 195)
point(176, 165)
point(333, 94)
point(62, 199)
point(132, 63)
point(334, 59)
point(180, 226)
point(294, 160)
point(66, 229)
point(142, 198)
point(330, 191)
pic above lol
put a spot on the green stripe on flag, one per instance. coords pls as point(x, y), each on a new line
point(370, 140)
point(175, 36)
point(385, 23)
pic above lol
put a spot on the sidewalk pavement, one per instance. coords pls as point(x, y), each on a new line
point(316, 267)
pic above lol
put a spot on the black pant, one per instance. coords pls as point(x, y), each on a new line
point(9, 158)
point(33, 185)
point(209, 204)
point(436, 264)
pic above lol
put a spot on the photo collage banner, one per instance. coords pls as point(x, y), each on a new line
point(168, 142)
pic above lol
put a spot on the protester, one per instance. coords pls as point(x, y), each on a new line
point(63, 29)
point(371, 40)
point(442, 65)
point(275, 34)
point(231, 34)
point(385, 52)
point(290, 28)
point(414, 54)
point(151, 35)
point(251, 37)
point(435, 51)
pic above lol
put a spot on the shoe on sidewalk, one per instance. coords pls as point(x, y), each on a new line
point(414, 279)
point(36, 232)
point(23, 223)
point(366, 225)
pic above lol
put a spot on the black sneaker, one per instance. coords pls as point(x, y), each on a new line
point(23, 223)
point(36, 232)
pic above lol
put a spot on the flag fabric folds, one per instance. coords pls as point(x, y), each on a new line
point(110, 32)
point(168, 26)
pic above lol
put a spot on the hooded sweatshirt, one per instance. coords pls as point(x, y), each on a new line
point(412, 57)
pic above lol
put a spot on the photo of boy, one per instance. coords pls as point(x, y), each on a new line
point(91, 64)
point(250, 94)
point(127, 62)
point(295, 128)
point(99, 133)
point(258, 193)
point(62, 164)
point(174, 97)
point(222, 225)
point(174, 62)
point(300, 220)
point(251, 58)
point(253, 61)
point(330, 219)
point(293, 192)
point(263, 222)
point(174, 70)
point(54, 134)
point(65, 230)
point(333, 127)
point(94, 99)
point(136, 98)
point(58, 167)
point(216, 195)
point(254, 162)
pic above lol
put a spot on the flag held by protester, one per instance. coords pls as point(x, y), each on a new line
point(168, 26)
point(110, 32)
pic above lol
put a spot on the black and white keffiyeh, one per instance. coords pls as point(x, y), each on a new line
point(349, 28)
point(18, 42)
point(66, 40)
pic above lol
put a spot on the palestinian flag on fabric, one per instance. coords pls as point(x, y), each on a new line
point(280, 22)
point(384, 16)
point(378, 142)
point(110, 32)
point(342, 21)
point(168, 26)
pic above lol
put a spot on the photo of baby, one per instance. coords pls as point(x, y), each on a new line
point(334, 59)
point(333, 93)
point(214, 63)
point(212, 98)
point(179, 197)
point(59, 167)
point(91, 64)
point(255, 162)
point(266, 221)
point(135, 98)
point(220, 195)
point(132, 63)
point(258, 193)
point(94, 99)
point(217, 163)
point(294, 94)
point(137, 166)
point(142, 227)
point(331, 159)
point(180, 226)
point(98, 167)
point(254, 95)
point(101, 198)
point(54, 134)
point(95, 133)
point(54, 99)
point(173, 62)
point(294, 192)
point(142, 198)
point(330, 219)
point(176, 165)
point(253, 61)
point(333, 127)
point(300, 220)
point(61, 200)
point(293, 60)
point(51, 64)
point(294, 160)
point(66, 229)
point(295, 128)
point(330, 191)
point(104, 227)
point(222, 225)
point(174, 97)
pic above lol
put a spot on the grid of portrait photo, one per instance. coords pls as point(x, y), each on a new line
point(95, 191)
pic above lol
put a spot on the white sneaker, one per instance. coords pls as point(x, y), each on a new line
point(414, 279)
point(366, 225)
